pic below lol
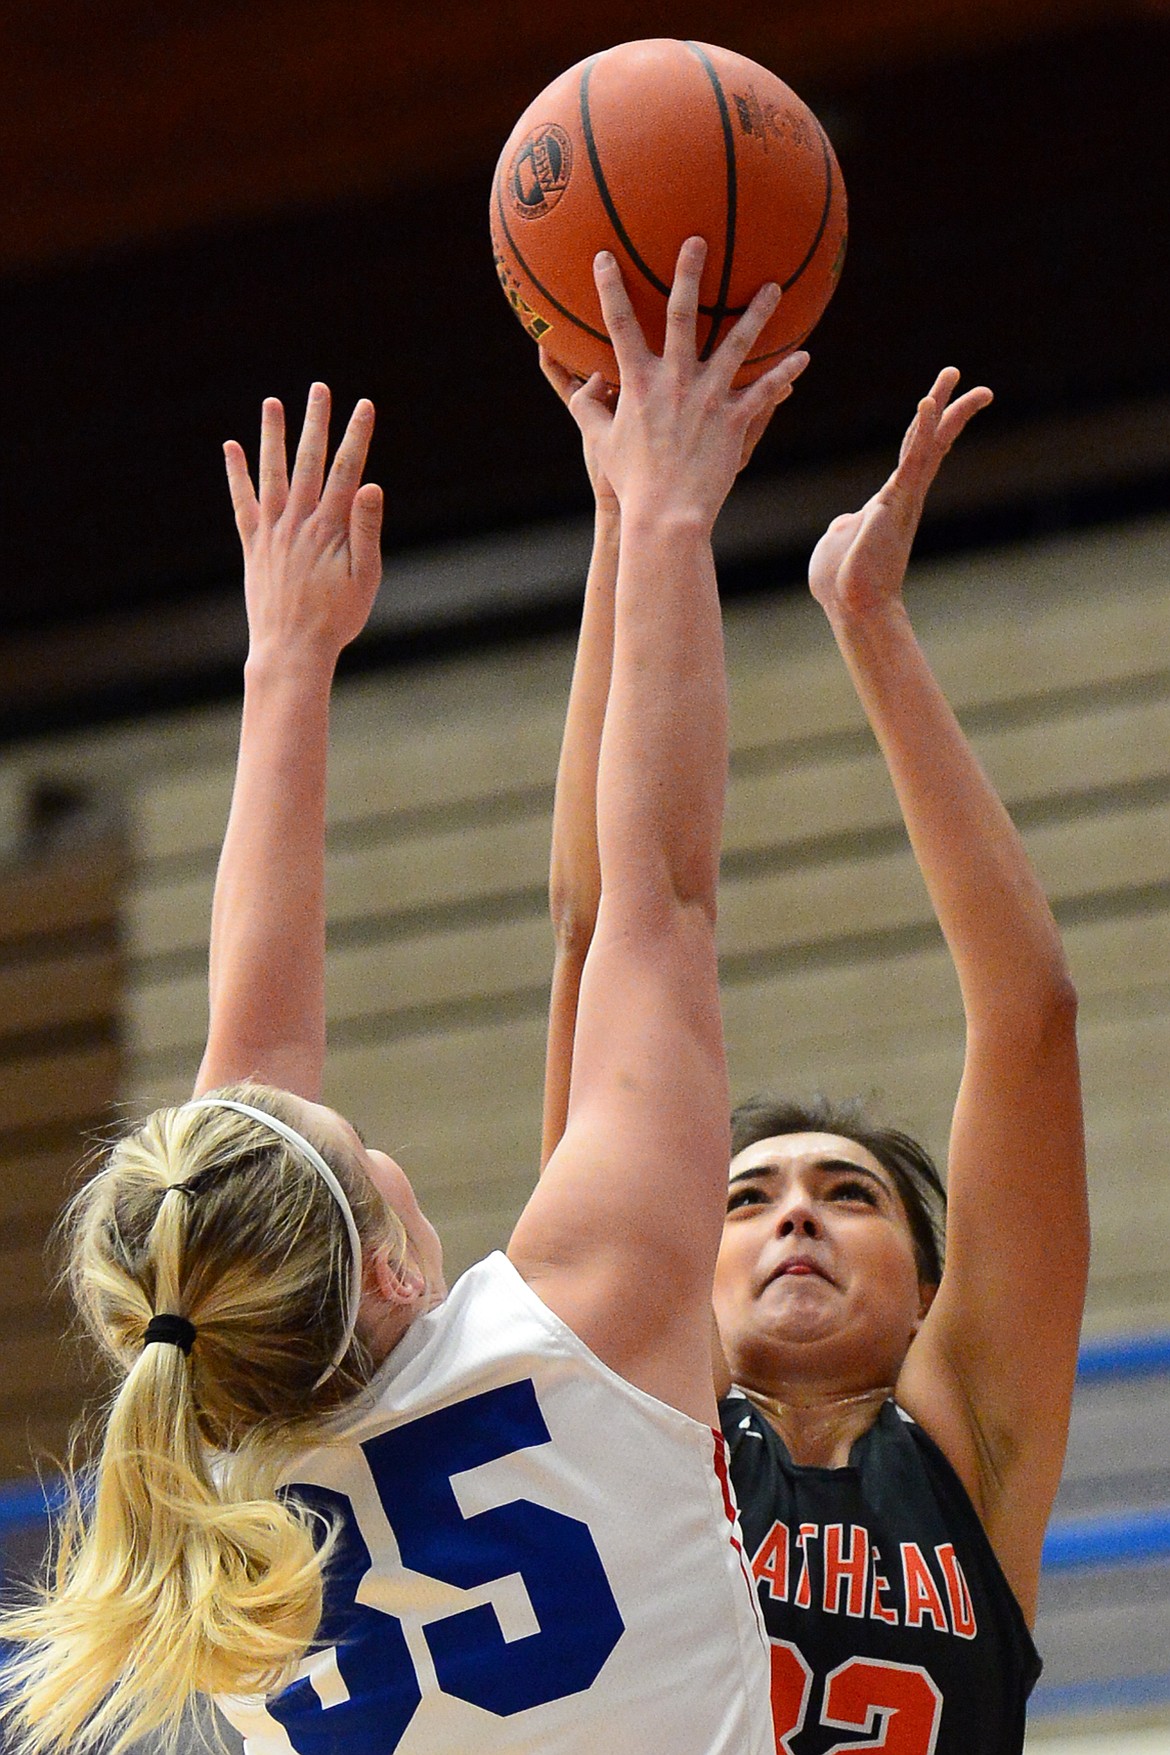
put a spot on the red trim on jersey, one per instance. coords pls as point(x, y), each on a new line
point(723, 1473)
point(731, 1510)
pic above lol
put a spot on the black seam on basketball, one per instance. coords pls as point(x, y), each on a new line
point(603, 187)
point(775, 353)
point(719, 309)
point(597, 334)
point(787, 285)
point(827, 150)
point(607, 200)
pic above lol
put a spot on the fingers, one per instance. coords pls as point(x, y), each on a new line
point(736, 345)
point(591, 406)
point(946, 417)
point(927, 415)
point(682, 307)
point(562, 381)
point(346, 473)
point(309, 468)
point(943, 387)
point(955, 417)
point(774, 385)
point(938, 421)
point(273, 466)
point(365, 531)
point(305, 491)
point(760, 400)
point(243, 494)
point(930, 435)
point(629, 344)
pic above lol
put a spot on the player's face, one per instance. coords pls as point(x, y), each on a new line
point(392, 1184)
point(817, 1280)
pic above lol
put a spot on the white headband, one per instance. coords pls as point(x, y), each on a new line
point(309, 1151)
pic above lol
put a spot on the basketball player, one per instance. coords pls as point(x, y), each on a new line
point(501, 1503)
point(897, 1432)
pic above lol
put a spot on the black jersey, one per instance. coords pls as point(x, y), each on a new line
point(888, 1614)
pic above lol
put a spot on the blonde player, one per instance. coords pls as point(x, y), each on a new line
point(367, 1513)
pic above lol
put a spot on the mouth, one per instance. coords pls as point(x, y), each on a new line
point(798, 1267)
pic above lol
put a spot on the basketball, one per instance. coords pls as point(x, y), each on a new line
point(640, 147)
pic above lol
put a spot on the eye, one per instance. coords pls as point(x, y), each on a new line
point(849, 1189)
point(745, 1197)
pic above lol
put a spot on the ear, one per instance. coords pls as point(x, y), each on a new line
point(397, 1282)
point(926, 1296)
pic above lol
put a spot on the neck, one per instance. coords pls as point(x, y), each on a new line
point(820, 1431)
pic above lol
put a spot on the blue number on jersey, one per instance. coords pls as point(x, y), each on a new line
point(372, 1653)
point(578, 1619)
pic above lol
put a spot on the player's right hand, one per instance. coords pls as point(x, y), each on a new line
point(676, 438)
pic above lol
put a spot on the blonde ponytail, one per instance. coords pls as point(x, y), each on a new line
point(181, 1573)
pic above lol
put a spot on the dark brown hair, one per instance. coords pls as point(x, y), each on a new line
point(915, 1174)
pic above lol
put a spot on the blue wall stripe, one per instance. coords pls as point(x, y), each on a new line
point(1112, 1539)
point(1096, 1541)
point(25, 1503)
point(1112, 1694)
point(1122, 1356)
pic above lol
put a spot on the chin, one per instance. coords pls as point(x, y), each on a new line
point(806, 1342)
point(784, 1347)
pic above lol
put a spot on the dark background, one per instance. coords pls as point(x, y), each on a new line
point(210, 202)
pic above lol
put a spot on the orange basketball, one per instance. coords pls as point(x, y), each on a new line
point(641, 147)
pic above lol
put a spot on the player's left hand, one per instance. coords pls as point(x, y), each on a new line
point(566, 387)
point(312, 560)
point(861, 560)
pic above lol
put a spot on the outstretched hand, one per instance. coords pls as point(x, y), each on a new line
point(566, 387)
point(312, 560)
point(860, 561)
point(677, 428)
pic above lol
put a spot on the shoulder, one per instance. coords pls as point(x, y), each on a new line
point(740, 1420)
point(911, 1465)
point(759, 1466)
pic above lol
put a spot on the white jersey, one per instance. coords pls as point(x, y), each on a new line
point(536, 1559)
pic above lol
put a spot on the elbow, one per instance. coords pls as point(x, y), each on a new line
point(1028, 1011)
point(574, 920)
point(701, 905)
point(1064, 1000)
point(1054, 999)
point(696, 889)
point(1041, 1011)
point(1038, 988)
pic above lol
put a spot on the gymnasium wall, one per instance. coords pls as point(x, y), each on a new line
point(62, 996)
point(1058, 657)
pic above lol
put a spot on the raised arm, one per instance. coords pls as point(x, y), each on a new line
point(990, 1374)
point(574, 890)
point(311, 571)
point(620, 1235)
point(574, 869)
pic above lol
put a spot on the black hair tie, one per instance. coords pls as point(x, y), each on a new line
point(175, 1331)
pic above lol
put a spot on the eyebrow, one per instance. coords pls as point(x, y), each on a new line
point(826, 1166)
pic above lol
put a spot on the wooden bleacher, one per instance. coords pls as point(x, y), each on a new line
point(1058, 657)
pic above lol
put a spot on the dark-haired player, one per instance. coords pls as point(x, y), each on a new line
point(897, 1430)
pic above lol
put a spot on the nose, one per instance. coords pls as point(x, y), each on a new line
point(797, 1216)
